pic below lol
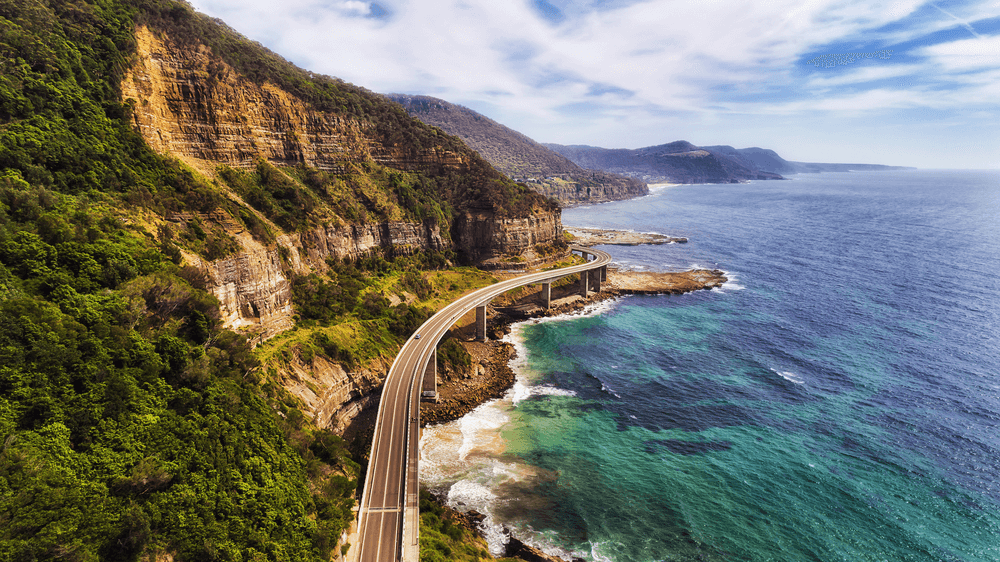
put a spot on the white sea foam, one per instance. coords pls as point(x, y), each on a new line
point(658, 187)
point(469, 493)
point(732, 283)
point(466, 456)
point(523, 387)
point(595, 552)
point(607, 389)
point(480, 428)
point(789, 376)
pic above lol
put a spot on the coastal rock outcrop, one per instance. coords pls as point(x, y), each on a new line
point(333, 395)
point(482, 236)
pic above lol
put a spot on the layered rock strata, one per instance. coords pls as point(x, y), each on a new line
point(191, 104)
point(253, 286)
point(480, 236)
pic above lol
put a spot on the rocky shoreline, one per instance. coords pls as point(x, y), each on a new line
point(490, 375)
point(473, 521)
point(606, 237)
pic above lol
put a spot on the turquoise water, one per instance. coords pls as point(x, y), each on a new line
point(837, 400)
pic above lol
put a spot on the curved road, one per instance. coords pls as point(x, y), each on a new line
point(389, 518)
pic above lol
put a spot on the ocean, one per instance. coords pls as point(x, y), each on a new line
point(837, 399)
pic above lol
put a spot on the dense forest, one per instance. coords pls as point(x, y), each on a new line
point(132, 423)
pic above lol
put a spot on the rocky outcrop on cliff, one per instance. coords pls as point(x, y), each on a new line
point(253, 286)
point(333, 395)
point(484, 236)
point(587, 187)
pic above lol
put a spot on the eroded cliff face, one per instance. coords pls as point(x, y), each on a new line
point(483, 236)
point(193, 105)
point(332, 395)
point(581, 190)
point(254, 288)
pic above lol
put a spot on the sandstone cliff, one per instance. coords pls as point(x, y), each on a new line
point(253, 286)
point(189, 103)
point(484, 237)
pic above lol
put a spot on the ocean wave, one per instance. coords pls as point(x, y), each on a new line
point(479, 426)
point(523, 387)
point(521, 392)
point(789, 376)
point(607, 389)
point(732, 283)
point(467, 494)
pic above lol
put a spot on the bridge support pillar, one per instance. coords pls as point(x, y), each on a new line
point(584, 278)
point(429, 386)
point(547, 294)
point(604, 273)
point(481, 323)
point(597, 279)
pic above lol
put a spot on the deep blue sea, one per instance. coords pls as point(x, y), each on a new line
point(838, 399)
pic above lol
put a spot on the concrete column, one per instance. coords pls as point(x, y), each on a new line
point(597, 279)
point(429, 386)
point(604, 273)
point(547, 294)
point(584, 278)
point(481, 323)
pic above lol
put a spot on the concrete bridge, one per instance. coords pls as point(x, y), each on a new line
point(389, 518)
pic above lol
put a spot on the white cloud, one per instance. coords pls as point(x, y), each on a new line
point(356, 7)
point(965, 55)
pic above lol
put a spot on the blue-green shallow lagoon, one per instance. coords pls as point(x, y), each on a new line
point(839, 399)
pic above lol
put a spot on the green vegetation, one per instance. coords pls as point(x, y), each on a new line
point(453, 356)
point(129, 424)
point(347, 317)
point(126, 423)
point(444, 540)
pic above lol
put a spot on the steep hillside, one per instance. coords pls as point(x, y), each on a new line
point(520, 157)
point(676, 162)
point(170, 195)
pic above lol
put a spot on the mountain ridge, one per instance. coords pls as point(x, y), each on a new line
point(674, 162)
point(520, 157)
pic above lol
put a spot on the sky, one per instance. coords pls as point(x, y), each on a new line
point(907, 83)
